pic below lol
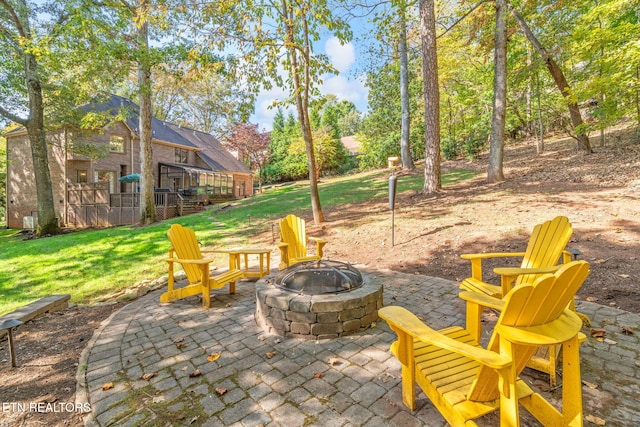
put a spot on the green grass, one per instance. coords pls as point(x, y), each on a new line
point(91, 263)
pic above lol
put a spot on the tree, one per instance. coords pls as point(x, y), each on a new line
point(560, 80)
point(142, 35)
point(496, 145)
point(199, 96)
point(27, 39)
point(251, 146)
point(3, 177)
point(277, 36)
point(405, 150)
point(432, 182)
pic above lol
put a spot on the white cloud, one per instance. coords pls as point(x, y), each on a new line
point(342, 56)
point(350, 90)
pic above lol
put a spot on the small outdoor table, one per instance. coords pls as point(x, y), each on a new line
point(237, 255)
point(9, 324)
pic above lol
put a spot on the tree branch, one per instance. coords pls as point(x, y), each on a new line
point(13, 117)
point(446, 30)
point(15, 18)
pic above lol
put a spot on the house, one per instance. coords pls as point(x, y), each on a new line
point(351, 144)
point(189, 168)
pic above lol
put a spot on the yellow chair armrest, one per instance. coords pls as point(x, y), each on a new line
point(400, 319)
point(491, 255)
point(557, 331)
point(190, 261)
point(318, 240)
point(282, 245)
point(517, 271)
point(482, 299)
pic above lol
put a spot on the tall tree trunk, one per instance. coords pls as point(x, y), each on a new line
point(405, 148)
point(559, 78)
point(302, 104)
point(540, 145)
point(147, 203)
point(496, 144)
point(432, 181)
point(47, 222)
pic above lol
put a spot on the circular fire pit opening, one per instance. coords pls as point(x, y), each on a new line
point(314, 302)
point(319, 277)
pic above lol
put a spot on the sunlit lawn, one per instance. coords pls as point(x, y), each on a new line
point(88, 264)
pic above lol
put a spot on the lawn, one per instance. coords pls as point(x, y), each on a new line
point(89, 263)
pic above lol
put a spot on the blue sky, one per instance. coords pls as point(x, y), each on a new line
point(346, 85)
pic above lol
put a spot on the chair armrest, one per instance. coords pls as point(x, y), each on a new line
point(481, 299)
point(319, 245)
point(282, 245)
point(517, 271)
point(402, 320)
point(476, 261)
point(189, 261)
point(491, 255)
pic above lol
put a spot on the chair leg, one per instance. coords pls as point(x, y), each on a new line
point(474, 320)
point(571, 384)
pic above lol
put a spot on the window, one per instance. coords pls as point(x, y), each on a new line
point(81, 176)
point(182, 155)
point(116, 143)
point(106, 176)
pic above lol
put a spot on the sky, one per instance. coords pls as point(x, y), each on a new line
point(347, 85)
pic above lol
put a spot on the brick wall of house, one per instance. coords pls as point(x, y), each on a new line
point(21, 186)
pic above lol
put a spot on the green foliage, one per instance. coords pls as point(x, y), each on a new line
point(89, 264)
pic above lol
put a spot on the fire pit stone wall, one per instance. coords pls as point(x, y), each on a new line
point(317, 317)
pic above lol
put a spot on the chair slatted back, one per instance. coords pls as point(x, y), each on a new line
point(540, 303)
point(185, 246)
point(293, 232)
point(546, 244)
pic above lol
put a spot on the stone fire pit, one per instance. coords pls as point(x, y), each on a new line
point(299, 314)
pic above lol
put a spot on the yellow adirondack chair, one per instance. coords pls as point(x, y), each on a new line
point(546, 245)
point(293, 242)
point(465, 381)
point(186, 252)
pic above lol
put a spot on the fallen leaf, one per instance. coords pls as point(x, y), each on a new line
point(596, 420)
point(177, 340)
point(624, 276)
point(610, 342)
point(49, 398)
point(193, 420)
point(221, 390)
point(195, 373)
point(590, 385)
point(213, 356)
point(334, 361)
point(591, 299)
point(627, 330)
point(184, 368)
point(158, 399)
point(317, 375)
point(270, 355)
point(598, 333)
point(107, 386)
point(147, 376)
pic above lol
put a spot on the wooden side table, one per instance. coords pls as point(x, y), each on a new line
point(237, 255)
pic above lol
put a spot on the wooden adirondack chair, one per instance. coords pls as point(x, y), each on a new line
point(546, 246)
point(186, 252)
point(293, 242)
point(465, 381)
